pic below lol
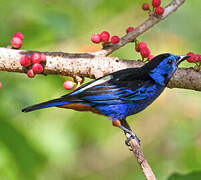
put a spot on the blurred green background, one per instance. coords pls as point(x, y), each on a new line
point(63, 144)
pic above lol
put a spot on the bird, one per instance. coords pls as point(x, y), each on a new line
point(121, 93)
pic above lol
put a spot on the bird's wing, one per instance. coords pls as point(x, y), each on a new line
point(127, 85)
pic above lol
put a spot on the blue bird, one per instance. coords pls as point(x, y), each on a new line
point(121, 93)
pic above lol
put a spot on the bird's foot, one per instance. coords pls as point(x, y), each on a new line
point(132, 136)
point(117, 123)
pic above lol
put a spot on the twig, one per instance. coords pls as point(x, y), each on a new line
point(137, 151)
point(151, 21)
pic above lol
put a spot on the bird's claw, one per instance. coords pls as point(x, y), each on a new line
point(132, 136)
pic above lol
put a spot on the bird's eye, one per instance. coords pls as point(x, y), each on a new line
point(170, 61)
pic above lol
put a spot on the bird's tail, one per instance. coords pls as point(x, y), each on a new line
point(51, 103)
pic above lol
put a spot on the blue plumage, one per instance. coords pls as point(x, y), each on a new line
point(122, 93)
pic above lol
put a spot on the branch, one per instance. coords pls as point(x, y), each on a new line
point(151, 21)
point(89, 65)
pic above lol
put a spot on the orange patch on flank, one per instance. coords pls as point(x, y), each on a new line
point(80, 107)
point(116, 123)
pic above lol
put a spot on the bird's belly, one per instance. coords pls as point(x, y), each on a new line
point(120, 111)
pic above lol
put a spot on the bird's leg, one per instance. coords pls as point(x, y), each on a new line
point(125, 124)
point(126, 128)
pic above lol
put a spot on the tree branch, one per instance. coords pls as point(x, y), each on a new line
point(89, 65)
point(150, 22)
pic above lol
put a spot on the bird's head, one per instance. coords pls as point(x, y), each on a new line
point(162, 67)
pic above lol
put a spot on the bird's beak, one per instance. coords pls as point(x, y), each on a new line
point(182, 58)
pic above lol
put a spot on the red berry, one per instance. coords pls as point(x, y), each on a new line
point(129, 29)
point(199, 57)
point(36, 57)
point(192, 58)
point(115, 39)
point(16, 42)
point(159, 10)
point(37, 68)
point(145, 7)
point(140, 45)
point(0, 85)
point(137, 48)
point(25, 61)
point(190, 54)
point(150, 57)
point(30, 73)
point(43, 57)
point(95, 38)
point(156, 3)
point(145, 52)
point(68, 84)
point(19, 34)
point(105, 36)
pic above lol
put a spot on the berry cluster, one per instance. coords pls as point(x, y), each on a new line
point(140, 47)
point(104, 38)
point(34, 64)
point(158, 10)
point(144, 51)
point(17, 39)
point(195, 58)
